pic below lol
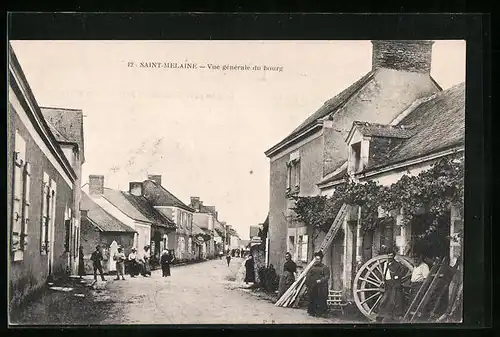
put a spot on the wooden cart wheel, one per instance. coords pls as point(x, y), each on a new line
point(369, 284)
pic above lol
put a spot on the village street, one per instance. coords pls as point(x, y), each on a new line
point(202, 293)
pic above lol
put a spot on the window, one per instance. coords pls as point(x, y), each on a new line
point(48, 212)
point(293, 175)
point(302, 248)
point(356, 157)
point(21, 198)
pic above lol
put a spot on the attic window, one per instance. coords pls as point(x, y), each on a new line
point(356, 157)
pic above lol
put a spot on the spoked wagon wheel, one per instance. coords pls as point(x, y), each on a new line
point(369, 284)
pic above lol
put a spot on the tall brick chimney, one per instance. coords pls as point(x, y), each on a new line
point(155, 177)
point(195, 203)
point(135, 188)
point(96, 185)
point(405, 55)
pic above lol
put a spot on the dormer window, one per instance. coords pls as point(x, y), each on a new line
point(356, 156)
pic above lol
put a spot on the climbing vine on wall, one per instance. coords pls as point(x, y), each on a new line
point(435, 190)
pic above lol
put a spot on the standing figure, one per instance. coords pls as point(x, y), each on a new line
point(96, 258)
point(221, 254)
point(145, 261)
point(317, 286)
point(228, 259)
point(81, 263)
point(391, 307)
point(250, 269)
point(288, 276)
point(133, 264)
point(120, 263)
point(165, 260)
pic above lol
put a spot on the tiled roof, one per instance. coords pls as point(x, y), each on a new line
point(68, 123)
point(141, 204)
point(437, 124)
point(383, 130)
point(162, 197)
point(331, 105)
point(102, 219)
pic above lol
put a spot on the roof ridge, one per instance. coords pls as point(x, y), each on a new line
point(177, 199)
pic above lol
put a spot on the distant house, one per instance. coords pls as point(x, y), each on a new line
point(205, 217)
point(98, 227)
point(67, 127)
point(198, 242)
point(174, 209)
point(134, 211)
point(315, 151)
point(40, 193)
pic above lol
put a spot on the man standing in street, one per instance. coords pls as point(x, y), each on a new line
point(228, 259)
point(96, 258)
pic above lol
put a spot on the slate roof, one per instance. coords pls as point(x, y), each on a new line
point(141, 204)
point(104, 221)
point(68, 124)
point(335, 177)
point(166, 198)
point(383, 130)
point(331, 105)
point(137, 208)
point(436, 124)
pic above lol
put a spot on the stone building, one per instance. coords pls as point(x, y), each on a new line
point(174, 209)
point(40, 194)
point(98, 227)
point(431, 129)
point(316, 149)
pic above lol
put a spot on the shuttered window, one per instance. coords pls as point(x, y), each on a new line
point(45, 214)
point(20, 197)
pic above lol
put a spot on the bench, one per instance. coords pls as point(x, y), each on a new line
point(336, 301)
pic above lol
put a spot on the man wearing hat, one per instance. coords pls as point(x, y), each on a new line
point(96, 258)
point(317, 286)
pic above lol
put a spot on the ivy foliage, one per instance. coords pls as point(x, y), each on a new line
point(434, 190)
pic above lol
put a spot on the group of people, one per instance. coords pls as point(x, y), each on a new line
point(392, 304)
point(137, 265)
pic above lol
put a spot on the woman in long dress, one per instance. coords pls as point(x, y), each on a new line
point(317, 286)
point(165, 260)
point(81, 263)
point(288, 276)
point(250, 269)
point(133, 264)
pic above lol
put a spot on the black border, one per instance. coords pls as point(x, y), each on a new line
point(475, 28)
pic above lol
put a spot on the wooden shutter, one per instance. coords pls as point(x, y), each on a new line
point(18, 189)
point(26, 205)
point(45, 213)
point(288, 175)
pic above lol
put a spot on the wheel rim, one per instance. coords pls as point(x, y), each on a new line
point(369, 284)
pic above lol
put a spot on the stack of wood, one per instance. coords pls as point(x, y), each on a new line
point(292, 295)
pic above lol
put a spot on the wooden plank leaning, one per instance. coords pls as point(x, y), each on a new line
point(293, 292)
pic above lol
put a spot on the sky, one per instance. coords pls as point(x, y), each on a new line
point(204, 130)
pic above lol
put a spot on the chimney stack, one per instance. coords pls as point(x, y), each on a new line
point(135, 188)
point(96, 185)
point(195, 203)
point(404, 55)
point(155, 177)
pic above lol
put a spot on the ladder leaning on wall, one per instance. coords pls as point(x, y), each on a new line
point(291, 296)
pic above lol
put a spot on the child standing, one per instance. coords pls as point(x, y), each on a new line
point(120, 263)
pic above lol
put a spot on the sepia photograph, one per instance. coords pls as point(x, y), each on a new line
point(235, 181)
